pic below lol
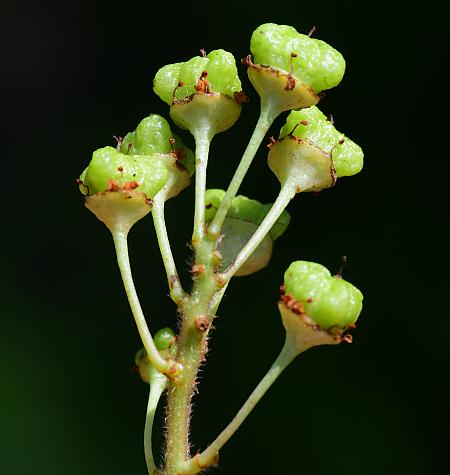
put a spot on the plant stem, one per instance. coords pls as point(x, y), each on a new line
point(176, 289)
point(192, 344)
point(208, 456)
point(267, 116)
point(121, 245)
point(158, 383)
point(203, 138)
point(287, 192)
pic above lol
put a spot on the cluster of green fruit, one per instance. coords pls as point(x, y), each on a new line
point(288, 70)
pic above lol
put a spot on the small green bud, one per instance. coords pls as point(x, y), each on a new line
point(312, 126)
point(312, 62)
point(165, 343)
point(164, 338)
point(311, 153)
point(204, 92)
point(330, 301)
point(243, 219)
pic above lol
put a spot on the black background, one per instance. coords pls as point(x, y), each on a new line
point(76, 73)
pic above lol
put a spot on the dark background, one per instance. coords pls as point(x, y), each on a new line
point(76, 73)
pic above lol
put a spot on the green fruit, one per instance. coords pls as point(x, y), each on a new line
point(153, 135)
point(312, 125)
point(312, 62)
point(222, 77)
point(148, 172)
point(331, 302)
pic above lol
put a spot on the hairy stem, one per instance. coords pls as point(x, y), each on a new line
point(208, 456)
point(121, 245)
point(176, 290)
point(287, 192)
point(267, 116)
point(192, 344)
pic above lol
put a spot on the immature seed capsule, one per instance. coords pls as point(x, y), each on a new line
point(317, 307)
point(119, 188)
point(243, 219)
point(311, 153)
point(119, 184)
point(291, 69)
point(204, 89)
point(312, 126)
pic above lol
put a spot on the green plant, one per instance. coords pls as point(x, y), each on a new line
point(232, 235)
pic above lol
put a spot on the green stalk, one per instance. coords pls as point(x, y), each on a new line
point(192, 339)
point(121, 245)
point(210, 455)
point(176, 290)
point(202, 141)
point(192, 343)
point(266, 117)
point(287, 192)
point(158, 384)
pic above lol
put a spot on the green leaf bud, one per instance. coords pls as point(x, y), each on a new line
point(311, 153)
point(330, 301)
point(243, 218)
point(312, 62)
point(204, 92)
point(312, 126)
